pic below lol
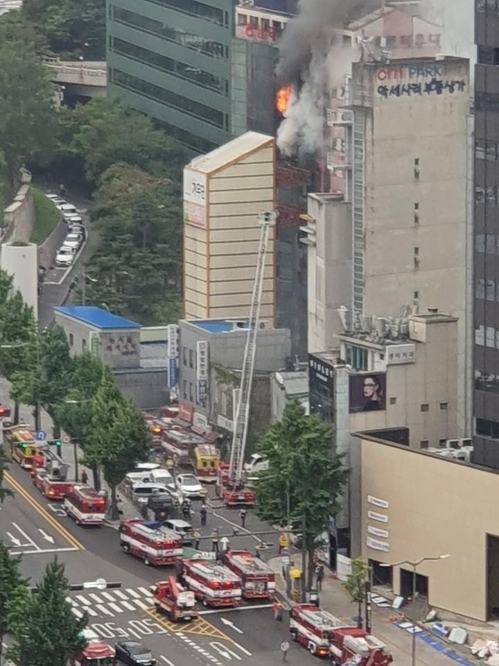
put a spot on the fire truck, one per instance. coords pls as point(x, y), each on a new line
point(213, 584)
point(173, 599)
point(206, 460)
point(51, 476)
point(23, 445)
point(352, 645)
point(257, 577)
point(313, 628)
point(93, 651)
point(151, 542)
point(85, 506)
point(232, 494)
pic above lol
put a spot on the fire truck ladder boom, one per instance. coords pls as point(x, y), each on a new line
point(266, 220)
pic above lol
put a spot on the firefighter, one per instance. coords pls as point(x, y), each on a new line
point(277, 608)
point(283, 542)
point(214, 541)
point(197, 538)
point(84, 477)
point(170, 464)
point(242, 515)
point(202, 512)
point(186, 508)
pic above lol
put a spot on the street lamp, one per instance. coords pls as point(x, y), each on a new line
point(414, 566)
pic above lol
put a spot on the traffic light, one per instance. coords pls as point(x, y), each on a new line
point(57, 443)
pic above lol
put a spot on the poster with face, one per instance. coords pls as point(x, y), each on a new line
point(367, 392)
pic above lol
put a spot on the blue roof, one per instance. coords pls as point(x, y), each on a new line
point(97, 317)
point(217, 325)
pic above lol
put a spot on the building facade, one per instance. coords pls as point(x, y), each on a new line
point(171, 59)
point(486, 245)
point(20, 261)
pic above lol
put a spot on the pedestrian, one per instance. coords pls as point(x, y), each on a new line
point(284, 650)
point(224, 544)
point(202, 512)
point(84, 478)
point(277, 608)
point(197, 538)
point(319, 576)
point(214, 541)
point(186, 508)
point(283, 542)
point(242, 515)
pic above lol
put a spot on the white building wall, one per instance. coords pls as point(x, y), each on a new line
point(21, 262)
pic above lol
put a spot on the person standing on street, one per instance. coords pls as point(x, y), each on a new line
point(285, 650)
point(319, 576)
point(283, 542)
point(277, 608)
point(214, 541)
point(202, 512)
point(242, 515)
point(197, 538)
point(84, 477)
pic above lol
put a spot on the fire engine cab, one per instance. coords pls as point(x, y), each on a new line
point(257, 577)
point(312, 627)
point(173, 599)
point(151, 542)
point(233, 494)
point(51, 477)
point(93, 651)
point(23, 446)
point(85, 506)
point(212, 583)
point(352, 645)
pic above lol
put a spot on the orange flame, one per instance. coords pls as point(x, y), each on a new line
point(282, 99)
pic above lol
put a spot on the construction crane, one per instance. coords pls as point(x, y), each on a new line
point(234, 492)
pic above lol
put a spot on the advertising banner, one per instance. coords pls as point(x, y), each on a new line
point(367, 392)
point(195, 198)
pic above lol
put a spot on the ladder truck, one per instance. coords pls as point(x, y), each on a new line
point(231, 482)
point(50, 474)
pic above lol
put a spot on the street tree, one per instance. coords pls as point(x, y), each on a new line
point(4, 492)
point(44, 628)
point(118, 437)
point(56, 372)
point(27, 113)
point(355, 585)
point(305, 478)
point(10, 582)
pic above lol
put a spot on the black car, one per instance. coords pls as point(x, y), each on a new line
point(134, 654)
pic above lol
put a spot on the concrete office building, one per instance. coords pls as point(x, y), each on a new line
point(20, 261)
point(224, 192)
point(398, 239)
point(171, 59)
point(210, 360)
point(408, 504)
point(486, 259)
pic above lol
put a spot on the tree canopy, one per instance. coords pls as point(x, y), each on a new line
point(305, 477)
point(10, 582)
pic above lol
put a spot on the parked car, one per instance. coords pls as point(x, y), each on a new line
point(189, 486)
point(75, 228)
point(134, 654)
point(145, 466)
point(73, 218)
point(180, 527)
point(73, 240)
point(68, 209)
point(56, 199)
point(65, 256)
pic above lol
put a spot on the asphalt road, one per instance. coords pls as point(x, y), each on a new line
point(39, 531)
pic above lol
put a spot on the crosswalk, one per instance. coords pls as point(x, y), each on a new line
point(111, 603)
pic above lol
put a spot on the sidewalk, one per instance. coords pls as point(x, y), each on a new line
point(429, 650)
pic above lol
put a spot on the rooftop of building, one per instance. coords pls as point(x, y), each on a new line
point(97, 317)
point(219, 325)
point(332, 357)
point(294, 383)
point(233, 151)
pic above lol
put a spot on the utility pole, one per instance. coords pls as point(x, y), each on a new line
point(304, 560)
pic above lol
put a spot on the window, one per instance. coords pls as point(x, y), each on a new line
point(184, 356)
point(425, 407)
point(357, 357)
point(71, 340)
point(184, 389)
point(393, 401)
point(83, 345)
point(424, 444)
point(416, 206)
point(416, 251)
point(197, 9)
point(416, 161)
point(443, 406)
point(487, 428)
point(191, 358)
point(416, 294)
point(191, 393)
point(442, 442)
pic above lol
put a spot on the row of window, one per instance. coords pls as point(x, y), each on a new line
point(183, 104)
point(198, 144)
point(487, 336)
point(485, 101)
point(487, 194)
point(488, 55)
point(177, 68)
point(488, 243)
point(485, 149)
point(487, 290)
point(210, 48)
point(188, 354)
point(489, 383)
point(488, 6)
point(198, 9)
point(487, 428)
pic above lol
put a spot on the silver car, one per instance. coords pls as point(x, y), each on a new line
point(73, 240)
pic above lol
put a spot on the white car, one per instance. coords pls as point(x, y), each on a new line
point(56, 199)
point(189, 486)
point(73, 219)
point(257, 463)
point(65, 256)
point(68, 209)
point(73, 240)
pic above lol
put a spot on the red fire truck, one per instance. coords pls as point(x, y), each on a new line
point(257, 577)
point(178, 603)
point(151, 542)
point(23, 445)
point(313, 628)
point(233, 495)
point(85, 506)
point(94, 652)
point(350, 644)
point(50, 477)
point(213, 584)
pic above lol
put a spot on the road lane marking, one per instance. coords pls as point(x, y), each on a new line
point(239, 527)
point(42, 512)
point(141, 604)
point(167, 661)
point(44, 550)
point(133, 593)
point(78, 613)
point(108, 596)
point(199, 627)
point(84, 601)
point(91, 612)
point(104, 610)
point(145, 591)
point(127, 605)
point(95, 598)
point(23, 534)
point(116, 608)
point(71, 601)
point(120, 595)
point(242, 648)
point(216, 611)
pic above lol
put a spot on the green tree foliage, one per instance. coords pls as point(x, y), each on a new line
point(44, 628)
point(105, 132)
point(27, 114)
point(137, 267)
point(4, 492)
point(305, 478)
point(71, 28)
point(10, 582)
point(355, 585)
point(56, 372)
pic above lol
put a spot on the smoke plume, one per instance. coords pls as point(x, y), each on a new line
point(305, 62)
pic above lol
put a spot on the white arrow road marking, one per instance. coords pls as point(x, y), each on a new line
point(15, 541)
point(29, 541)
point(167, 661)
point(46, 536)
point(230, 624)
point(225, 652)
point(242, 649)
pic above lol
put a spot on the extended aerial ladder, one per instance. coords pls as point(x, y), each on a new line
point(234, 492)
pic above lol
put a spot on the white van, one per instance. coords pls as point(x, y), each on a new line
point(256, 463)
point(143, 490)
